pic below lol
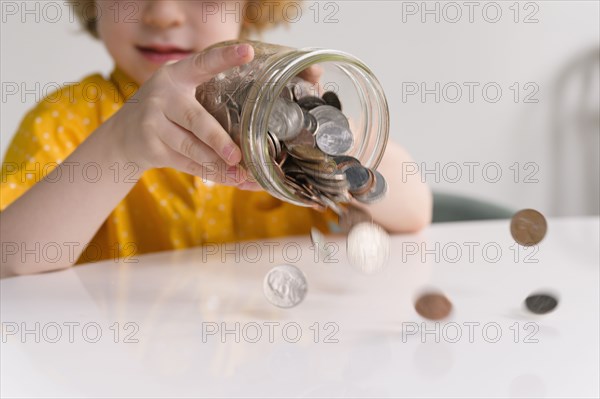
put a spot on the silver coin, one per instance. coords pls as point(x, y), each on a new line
point(286, 119)
point(368, 247)
point(376, 193)
point(327, 113)
point(310, 122)
point(300, 87)
point(359, 178)
point(285, 286)
point(334, 139)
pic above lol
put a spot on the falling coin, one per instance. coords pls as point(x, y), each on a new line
point(541, 303)
point(368, 247)
point(318, 240)
point(285, 286)
point(433, 306)
point(353, 216)
point(528, 227)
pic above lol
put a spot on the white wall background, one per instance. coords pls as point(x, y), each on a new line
point(553, 143)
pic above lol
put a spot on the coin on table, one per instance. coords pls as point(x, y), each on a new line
point(368, 247)
point(332, 99)
point(285, 286)
point(541, 303)
point(334, 139)
point(528, 227)
point(433, 306)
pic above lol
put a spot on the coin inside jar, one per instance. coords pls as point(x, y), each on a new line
point(334, 139)
point(528, 227)
point(359, 178)
point(433, 306)
point(332, 99)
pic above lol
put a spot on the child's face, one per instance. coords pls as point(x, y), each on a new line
point(142, 35)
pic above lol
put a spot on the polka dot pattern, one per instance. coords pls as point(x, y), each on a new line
point(166, 209)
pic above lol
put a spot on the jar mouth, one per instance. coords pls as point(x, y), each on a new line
point(269, 85)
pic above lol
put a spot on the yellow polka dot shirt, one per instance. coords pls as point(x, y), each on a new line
point(166, 209)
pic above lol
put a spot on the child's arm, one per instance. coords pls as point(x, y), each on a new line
point(165, 127)
point(407, 206)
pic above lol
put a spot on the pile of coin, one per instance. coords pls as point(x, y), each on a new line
point(308, 139)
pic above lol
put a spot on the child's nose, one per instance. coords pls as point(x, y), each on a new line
point(163, 13)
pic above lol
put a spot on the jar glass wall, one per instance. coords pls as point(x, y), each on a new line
point(243, 100)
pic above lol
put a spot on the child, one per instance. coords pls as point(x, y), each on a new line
point(102, 169)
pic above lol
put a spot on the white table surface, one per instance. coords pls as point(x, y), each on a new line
point(172, 299)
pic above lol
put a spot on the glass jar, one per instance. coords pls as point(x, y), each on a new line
point(242, 99)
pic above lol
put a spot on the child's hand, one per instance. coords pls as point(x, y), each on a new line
point(164, 125)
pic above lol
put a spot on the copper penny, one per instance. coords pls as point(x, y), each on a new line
point(528, 227)
point(433, 306)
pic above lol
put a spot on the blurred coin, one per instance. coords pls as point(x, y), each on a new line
point(300, 87)
point(368, 247)
point(305, 137)
point(352, 216)
point(528, 227)
point(541, 303)
point(433, 306)
point(376, 193)
point(345, 161)
point(319, 243)
point(307, 153)
point(334, 139)
point(285, 286)
point(310, 122)
point(332, 99)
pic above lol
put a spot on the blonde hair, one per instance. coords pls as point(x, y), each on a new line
point(258, 15)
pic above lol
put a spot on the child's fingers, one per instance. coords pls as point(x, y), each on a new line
point(185, 143)
point(217, 172)
point(201, 67)
point(189, 114)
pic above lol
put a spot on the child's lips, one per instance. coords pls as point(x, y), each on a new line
point(162, 54)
